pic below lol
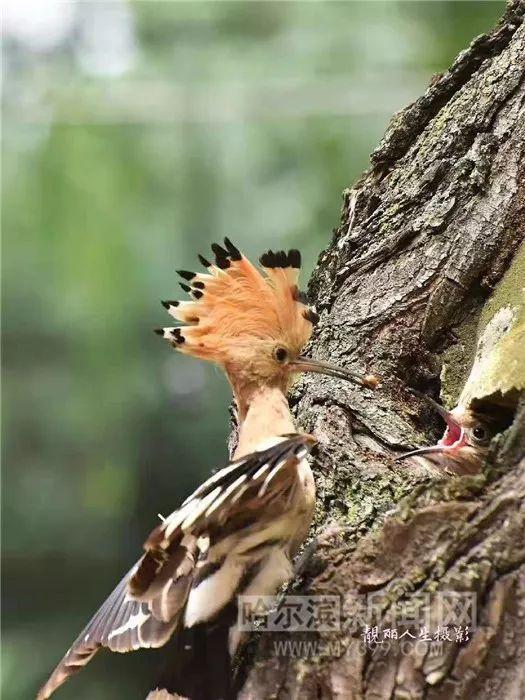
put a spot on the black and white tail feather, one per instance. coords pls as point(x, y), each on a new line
point(231, 536)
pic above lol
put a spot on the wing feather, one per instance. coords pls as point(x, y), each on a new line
point(239, 488)
point(146, 606)
point(121, 624)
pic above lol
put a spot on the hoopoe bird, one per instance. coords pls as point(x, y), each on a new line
point(465, 443)
point(239, 531)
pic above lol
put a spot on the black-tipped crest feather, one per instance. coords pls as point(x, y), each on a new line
point(311, 316)
point(221, 256)
point(234, 252)
point(281, 259)
point(203, 260)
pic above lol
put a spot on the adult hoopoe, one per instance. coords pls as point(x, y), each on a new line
point(237, 533)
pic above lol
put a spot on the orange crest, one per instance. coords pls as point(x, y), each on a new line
point(238, 311)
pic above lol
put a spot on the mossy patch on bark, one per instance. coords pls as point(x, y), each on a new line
point(488, 360)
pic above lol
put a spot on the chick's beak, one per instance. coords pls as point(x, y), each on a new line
point(307, 364)
point(433, 449)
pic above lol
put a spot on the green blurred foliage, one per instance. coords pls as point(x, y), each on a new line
point(134, 135)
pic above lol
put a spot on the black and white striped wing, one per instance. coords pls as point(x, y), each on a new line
point(145, 607)
point(239, 492)
point(121, 624)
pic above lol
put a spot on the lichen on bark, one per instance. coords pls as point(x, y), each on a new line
point(487, 362)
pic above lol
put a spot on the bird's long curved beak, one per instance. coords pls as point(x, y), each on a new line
point(307, 364)
point(433, 449)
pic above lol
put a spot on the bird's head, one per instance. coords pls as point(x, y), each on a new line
point(253, 322)
point(465, 442)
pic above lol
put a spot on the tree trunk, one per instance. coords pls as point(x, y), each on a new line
point(425, 236)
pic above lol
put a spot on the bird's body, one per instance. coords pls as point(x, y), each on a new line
point(237, 533)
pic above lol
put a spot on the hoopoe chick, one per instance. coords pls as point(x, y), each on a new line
point(238, 532)
point(465, 443)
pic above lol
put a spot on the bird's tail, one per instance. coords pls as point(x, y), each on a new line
point(198, 665)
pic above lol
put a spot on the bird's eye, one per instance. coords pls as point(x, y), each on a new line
point(280, 354)
point(479, 432)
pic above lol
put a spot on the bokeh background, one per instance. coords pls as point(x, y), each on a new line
point(134, 134)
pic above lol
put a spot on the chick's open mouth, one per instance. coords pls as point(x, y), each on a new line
point(454, 436)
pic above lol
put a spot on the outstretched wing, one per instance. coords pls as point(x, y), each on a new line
point(145, 607)
point(121, 624)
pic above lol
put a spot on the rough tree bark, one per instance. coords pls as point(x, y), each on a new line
point(425, 236)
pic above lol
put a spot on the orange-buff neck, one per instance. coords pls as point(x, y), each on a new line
point(263, 413)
